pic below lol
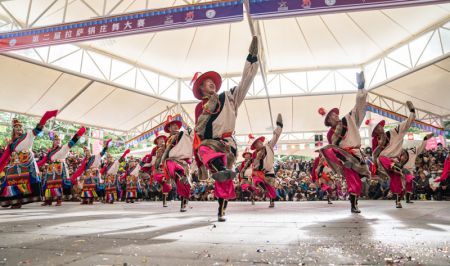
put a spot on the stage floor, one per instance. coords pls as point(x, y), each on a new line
point(294, 233)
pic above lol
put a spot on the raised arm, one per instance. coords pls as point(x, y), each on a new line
point(422, 145)
point(105, 148)
point(47, 116)
point(359, 111)
point(249, 73)
point(277, 132)
point(403, 127)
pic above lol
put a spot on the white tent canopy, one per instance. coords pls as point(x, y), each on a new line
point(310, 61)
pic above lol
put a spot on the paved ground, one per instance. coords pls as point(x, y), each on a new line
point(295, 233)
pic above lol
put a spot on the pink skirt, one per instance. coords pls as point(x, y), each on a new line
point(207, 154)
point(166, 187)
point(270, 190)
point(395, 182)
point(354, 184)
point(224, 190)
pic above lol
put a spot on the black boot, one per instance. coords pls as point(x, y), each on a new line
point(221, 214)
point(183, 206)
point(408, 198)
point(356, 204)
point(354, 209)
point(164, 200)
point(398, 204)
point(272, 203)
point(329, 198)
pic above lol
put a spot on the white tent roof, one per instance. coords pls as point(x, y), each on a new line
point(291, 46)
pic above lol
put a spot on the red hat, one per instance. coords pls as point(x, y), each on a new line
point(381, 123)
point(262, 139)
point(246, 152)
point(334, 110)
point(171, 121)
point(214, 76)
point(16, 122)
point(158, 137)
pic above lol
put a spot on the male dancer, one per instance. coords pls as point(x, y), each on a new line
point(387, 148)
point(215, 119)
point(245, 176)
point(408, 160)
point(263, 159)
point(157, 171)
point(177, 158)
point(343, 154)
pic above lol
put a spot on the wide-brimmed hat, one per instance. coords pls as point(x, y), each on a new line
point(169, 121)
point(262, 139)
point(214, 76)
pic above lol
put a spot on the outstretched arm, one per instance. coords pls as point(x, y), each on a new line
point(277, 131)
point(359, 111)
point(47, 116)
point(249, 73)
point(403, 127)
point(105, 148)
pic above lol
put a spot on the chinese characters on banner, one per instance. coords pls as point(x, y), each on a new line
point(127, 24)
point(282, 8)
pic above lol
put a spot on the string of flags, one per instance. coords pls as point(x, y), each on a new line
point(397, 117)
point(152, 132)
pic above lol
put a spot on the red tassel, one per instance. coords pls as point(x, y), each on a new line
point(368, 122)
point(322, 111)
point(195, 77)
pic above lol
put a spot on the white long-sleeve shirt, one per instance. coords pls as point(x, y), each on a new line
point(395, 145)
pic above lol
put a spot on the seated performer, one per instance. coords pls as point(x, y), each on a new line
point(343, 154)
point(131, 177)
point(263, 158)
point(177, 159)
point(387, 148)
point(215, 121)
point(20, 182)
point(109, 173)
point(408, 161)
point(56, 171)
point(89, 174)
point(157, 171)
point(245, 176)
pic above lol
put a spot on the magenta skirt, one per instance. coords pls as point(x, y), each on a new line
point(354, 184)
point(224, 190)
point(166, 187)
point(270, 190)
point(395, 180)
point(207, 154)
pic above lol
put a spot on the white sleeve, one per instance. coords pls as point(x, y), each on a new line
point(241, 90)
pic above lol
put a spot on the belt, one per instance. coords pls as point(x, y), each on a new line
point(227, 135)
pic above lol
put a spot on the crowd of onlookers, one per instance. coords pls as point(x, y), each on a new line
point(294, 182)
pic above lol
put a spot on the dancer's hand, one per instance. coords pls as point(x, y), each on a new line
point(253, 50)
point(410, 106)
point(360, 80)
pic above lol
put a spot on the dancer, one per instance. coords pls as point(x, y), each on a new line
point(245, 176)
point(263, 158)
point(408, 161)
point(131, 177)
point(215, 121)
point(343, 154)
point(21, 183)
point(177, 159)
point(387, 148)
point(89, 174)
point(321, 175)
point(157, 171)
point(109, 171)
point(56, 171)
